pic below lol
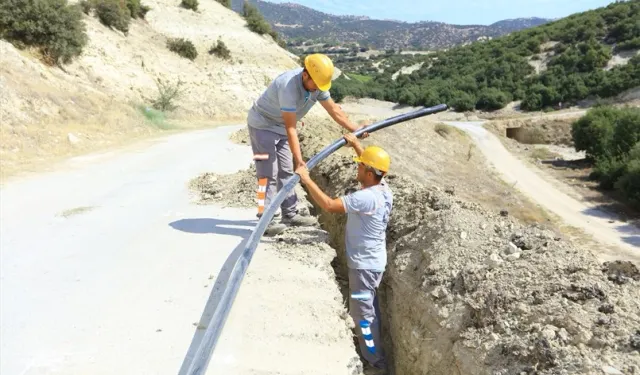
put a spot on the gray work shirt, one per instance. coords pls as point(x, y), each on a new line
point(286, 93)
point(368, 212)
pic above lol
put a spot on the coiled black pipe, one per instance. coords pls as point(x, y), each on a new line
point(203, 354)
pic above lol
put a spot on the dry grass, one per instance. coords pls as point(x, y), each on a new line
point(445, 130)
point(75, 211)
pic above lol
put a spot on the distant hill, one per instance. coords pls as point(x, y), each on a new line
point(594, 54)
point(297, 22)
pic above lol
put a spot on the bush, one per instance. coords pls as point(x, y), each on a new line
point(220, 49)
point(86, 6)
point(255, 20)
point(463, 102)
point(608, 170)
point(492, 99)
point(190, 4)
point(226, 3)
point(183, 47)
point(607, 132)
point(167, 93)
point(629, 183)
point(627, 131)
point(136, 9)
point(111, 14)
point(53, 26)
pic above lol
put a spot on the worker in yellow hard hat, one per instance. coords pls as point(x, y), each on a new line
point(368, 211)
point(272, 123)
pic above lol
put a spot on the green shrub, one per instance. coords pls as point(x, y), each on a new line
point(183, 47)
point(463, 102)
point(137, 9)
point(593, 132)
point(167, 93)
point(492, 99)
point(190, 4)
point(111, 14)
point(627, 131)
point(86, 6)
point(629, 183)
point(255, 20)
point(53, 26)
point(220, 49)
point(608, 170)
point(226, 3)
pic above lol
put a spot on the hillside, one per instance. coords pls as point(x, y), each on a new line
point(593, 54)
point(99, 99)
point(297, 22)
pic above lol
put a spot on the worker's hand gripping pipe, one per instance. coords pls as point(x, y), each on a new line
point(203, 354)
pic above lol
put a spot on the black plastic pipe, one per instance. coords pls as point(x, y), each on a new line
point(203, 354)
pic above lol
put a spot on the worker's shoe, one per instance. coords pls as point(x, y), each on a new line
point(274, 228)
point(371, 370)
point(298, 220)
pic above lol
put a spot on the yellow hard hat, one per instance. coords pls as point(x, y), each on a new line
point(375, 157)
point(320, 68)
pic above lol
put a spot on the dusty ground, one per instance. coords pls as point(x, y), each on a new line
point(100, 97)
point(554, 158)
point(473, 291)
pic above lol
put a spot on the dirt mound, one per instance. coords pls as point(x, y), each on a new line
point(240, 137)
point(236, 190)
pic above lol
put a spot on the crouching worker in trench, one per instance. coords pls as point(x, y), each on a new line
point(368, 211)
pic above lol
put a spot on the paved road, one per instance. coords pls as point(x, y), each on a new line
point(106, 265)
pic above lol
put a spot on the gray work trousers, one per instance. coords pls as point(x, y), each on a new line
point(365, 310)
point(274, 161)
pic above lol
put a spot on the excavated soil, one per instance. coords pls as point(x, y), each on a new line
point(474, 291)
point(240, 137)
point(233, 190)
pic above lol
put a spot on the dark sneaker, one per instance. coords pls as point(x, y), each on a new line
point(299, 221)
point(372, 370)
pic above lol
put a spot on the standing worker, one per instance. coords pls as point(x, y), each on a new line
point(272, 131)
point(368, 211)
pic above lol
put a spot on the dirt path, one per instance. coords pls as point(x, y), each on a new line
point(621, 240)
point(106, 265)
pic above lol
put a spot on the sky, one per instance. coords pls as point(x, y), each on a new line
point(483, 12)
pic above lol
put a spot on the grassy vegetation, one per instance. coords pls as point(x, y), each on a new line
point(488, 75)
point(360, 77)
point(611, 138)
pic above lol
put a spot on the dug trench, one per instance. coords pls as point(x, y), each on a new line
point(469, 289)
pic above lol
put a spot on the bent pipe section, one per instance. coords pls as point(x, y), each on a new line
point(203, 354)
